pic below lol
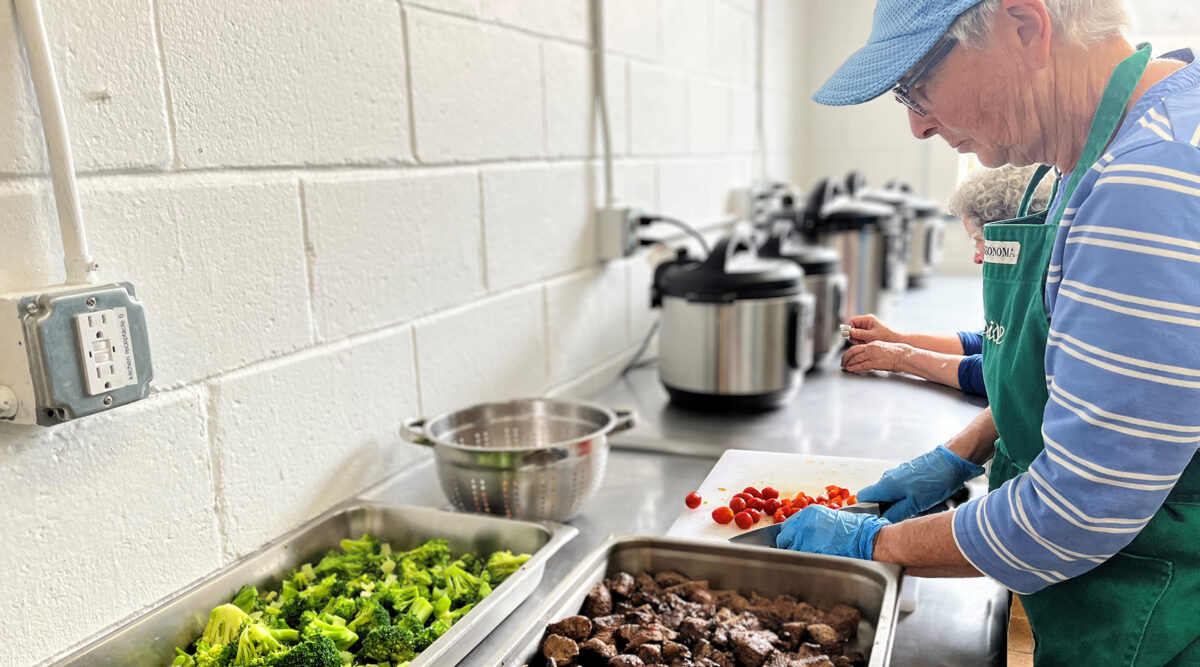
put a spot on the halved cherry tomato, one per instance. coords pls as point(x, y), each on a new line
point(789, 511)
point(768, 492)
point(743, 520)
point(692, 500)
point(835, 504)
point(852, 500)
point(722, 515)
point(844, 493)
point(833, 489)
point(754, 514)
point(800, 504)
point(785, 502)
point(737, 504)
point(780, 516)
point(752, 491)
point(822, 499)
point(771, 506)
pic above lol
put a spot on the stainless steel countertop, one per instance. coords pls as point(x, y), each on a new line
point(957, 622)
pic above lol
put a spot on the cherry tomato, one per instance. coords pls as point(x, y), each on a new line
point(785, 502)
point(835, 504)
point(692, 500)
point(737, 504)
point(852, 500)
point(768, 492)
point(822, 499)
point(772, 506)
point(750, 490)
point(832, 490)
point(743, 520)
point(722, 515)
point(754, 514)
point(789, 511)
point(844, 493)
point(755, 503)
point(800, 504)
point(780, 516)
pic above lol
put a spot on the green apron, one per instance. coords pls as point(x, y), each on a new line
point(1142, 606)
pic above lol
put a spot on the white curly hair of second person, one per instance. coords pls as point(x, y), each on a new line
point(1083, 22)
point(988, 195)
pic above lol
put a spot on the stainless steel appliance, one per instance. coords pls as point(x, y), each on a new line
point(823, 278)
point(151, 639)
point(736, 328)
point(529, 459)
point(901, 204)
point(870, 587)
point(867, 238)
point(927, 237)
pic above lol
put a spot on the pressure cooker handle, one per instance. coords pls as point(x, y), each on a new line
point(726, 248)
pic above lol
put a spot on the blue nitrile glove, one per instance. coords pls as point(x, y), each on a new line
point(821, 530)
point(920, 484)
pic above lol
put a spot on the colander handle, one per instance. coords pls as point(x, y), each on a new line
point(626, 419)
point(413, 430)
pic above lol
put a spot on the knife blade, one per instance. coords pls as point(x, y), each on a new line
point(765, 537)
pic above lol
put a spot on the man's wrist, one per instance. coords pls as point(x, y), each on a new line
point(883, 545)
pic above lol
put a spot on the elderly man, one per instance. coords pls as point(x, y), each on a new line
point(1092, 359)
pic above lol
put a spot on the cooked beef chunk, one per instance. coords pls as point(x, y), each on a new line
point(674, 650)
point(643, 615)
point(844, 619)
point(651, 635)
point(668, 578)
point(598, 601)
point(626, 661)
point(610, 622)
point(651, 654)
point(702, 596)
point(792, 633)
point(684, 589)
point(645, 583)
point(622, 583)
point(560, 649)
point(806, 613)
point(672, 617)
point(854, 659)
point(694, 629)
point(808, 650)
point(823, 635)
point(814, 661)
point(578, 628)
point(751, 648)
point(598, 648)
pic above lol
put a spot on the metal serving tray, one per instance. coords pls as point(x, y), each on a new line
point(821, 580)
point(152, 638)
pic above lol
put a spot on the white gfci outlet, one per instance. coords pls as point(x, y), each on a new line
point(71, 350)
point(106, 350)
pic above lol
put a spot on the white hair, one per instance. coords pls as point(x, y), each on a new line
point(1082, 22)
point(988, 195)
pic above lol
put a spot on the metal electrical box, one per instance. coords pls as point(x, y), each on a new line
point(71, 351)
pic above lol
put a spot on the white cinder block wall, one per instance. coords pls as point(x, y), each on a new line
point(340, 214)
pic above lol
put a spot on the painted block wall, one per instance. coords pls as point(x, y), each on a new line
point(340, 214)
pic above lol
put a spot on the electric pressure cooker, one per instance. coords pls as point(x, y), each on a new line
point(736, 328)
point(928, 229)
point(823, 278)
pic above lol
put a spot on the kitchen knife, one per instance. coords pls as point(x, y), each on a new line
point(765, 537)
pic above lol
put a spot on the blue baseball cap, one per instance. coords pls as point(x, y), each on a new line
point(902, 33)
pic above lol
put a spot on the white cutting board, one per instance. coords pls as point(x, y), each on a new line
point(788, 473)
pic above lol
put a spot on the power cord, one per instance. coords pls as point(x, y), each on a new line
point(637, 356)
point(647, 220)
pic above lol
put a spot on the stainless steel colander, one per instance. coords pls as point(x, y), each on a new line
point(532, 458)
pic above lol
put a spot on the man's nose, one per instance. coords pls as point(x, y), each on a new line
point(923, 127)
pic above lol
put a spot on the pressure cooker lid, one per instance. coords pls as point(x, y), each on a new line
point(920, 205)
point(733, 270)
point(844, 212)
point(815, 260)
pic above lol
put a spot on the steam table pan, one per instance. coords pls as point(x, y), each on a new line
point(151, 639)
point(822, 580)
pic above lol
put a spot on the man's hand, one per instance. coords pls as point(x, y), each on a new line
point(866, 329)
point(821, 530)
point(876, 356)
point(920, 484)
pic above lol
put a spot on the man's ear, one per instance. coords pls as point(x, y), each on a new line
point(1024, 27)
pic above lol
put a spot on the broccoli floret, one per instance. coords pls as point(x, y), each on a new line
point(413, 574)
point(256, 643)
point(401, 598)
point(336, 562)
point(246, 599)
point(183, 659)
point(460, 584)
point(433, 552)
point(503, 563)
point(220, 655)
point(224, 623)
point(370, 615)
point(391, 643)
point(344, 607)
point(368, 545)
point(332, 627)
point(315, 651)
point(485, 589)
point(420, 610)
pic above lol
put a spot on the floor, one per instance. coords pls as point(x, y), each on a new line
point(1020, 637)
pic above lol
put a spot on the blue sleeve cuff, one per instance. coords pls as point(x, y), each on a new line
point(972, 342)
point(970, 375)
point(994, 560)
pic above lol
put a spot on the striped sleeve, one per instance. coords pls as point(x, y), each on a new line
point(1123, 367)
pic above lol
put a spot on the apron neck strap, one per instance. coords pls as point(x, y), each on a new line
point(1108, 116)
point(1030, 189)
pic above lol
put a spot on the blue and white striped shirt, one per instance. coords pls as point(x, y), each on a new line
point(1122, 361)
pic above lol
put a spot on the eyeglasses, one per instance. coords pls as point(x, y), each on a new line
point(923, 68)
